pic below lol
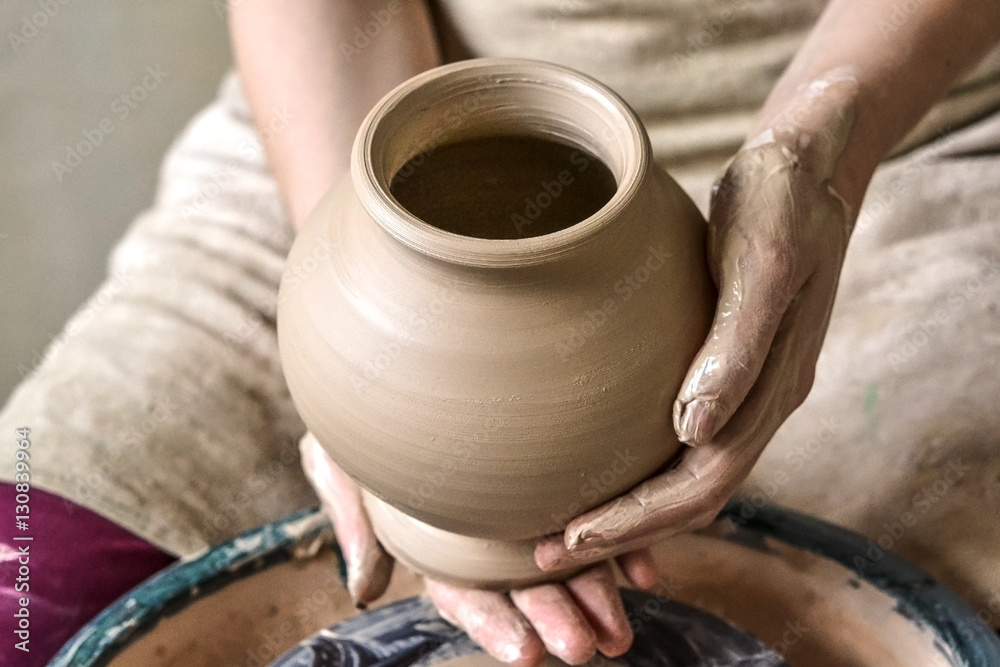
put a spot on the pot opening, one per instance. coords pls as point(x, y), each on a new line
point(481, 162)
point(504, 186)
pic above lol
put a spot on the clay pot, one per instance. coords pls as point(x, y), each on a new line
point(485, 391)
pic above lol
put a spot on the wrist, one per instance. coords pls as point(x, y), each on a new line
point(816, 125)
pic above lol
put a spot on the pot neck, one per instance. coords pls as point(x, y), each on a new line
point(491, 97)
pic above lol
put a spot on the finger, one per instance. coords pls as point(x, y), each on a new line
point(689, 495)
point(491, 620)
point(640, 568)
point(369, 567)
point(730, 361)
point(559, 622)
point(552, 554)
point(757, 279)
point(600, 602)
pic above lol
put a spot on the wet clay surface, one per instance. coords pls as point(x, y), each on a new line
point(503, 187)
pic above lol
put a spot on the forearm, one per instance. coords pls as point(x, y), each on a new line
point(901, 64)
point(307, 61)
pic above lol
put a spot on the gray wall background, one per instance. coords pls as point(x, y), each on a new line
point(64, 67)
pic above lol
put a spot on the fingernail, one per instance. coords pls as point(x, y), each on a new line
point(509, 653)
point(611, 524)
point(352, 588)
point(354, 580)
point(696, 424)
point(578, 536)
point(586, 536)
point(544, 557)
point(448, 617)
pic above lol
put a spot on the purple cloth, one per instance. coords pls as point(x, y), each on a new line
point(78, 563)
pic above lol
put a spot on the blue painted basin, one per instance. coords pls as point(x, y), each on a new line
point(754, 573)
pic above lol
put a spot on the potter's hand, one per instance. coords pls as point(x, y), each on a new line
point(368, 565)
point(776, 241)
point(571, 620)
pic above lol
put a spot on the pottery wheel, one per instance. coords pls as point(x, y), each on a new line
point(667, 634)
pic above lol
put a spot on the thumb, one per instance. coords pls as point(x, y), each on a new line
point(727, 366)
point(753, 250)
point(369, 567)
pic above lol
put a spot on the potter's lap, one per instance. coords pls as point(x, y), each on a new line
point(900, 437)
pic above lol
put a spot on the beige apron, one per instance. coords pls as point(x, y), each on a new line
point(696, 71)
point(162, 404)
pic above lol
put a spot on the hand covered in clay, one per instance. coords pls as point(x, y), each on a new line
point(777, 235)
point(571, 620)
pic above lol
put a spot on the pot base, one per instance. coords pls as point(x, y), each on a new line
point(456, 559)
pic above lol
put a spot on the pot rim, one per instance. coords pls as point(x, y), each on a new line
point(622, 143)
